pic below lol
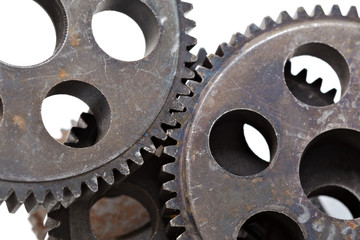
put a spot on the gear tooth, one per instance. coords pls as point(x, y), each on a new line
point(214, 59)
point(302, 75)
point(192, 85)
point(149, 146)
point(353, 13)
point(317, 83)
point(68, 197)
point(189, 41)
point(75, 190)
point(284, 17)
point(12, 203)
point(238, 39)
point(189, 57)
point(108, 177)
point(331, 93)
point(31, 204)
point(171, 150)
point(318, 11)
point(301, 13)
point(185, 100)
point(174, 134)
point(177, 106)
point(186, 73)
point(168, 169)
point(223, 49)
point(335, 11)
point(252, 30)
point(124, 167)
point(50, 202)
point(189, 24)
point(170, 186)
point(172, 204)
point(177, 222)
point(268, 23)
point(92, 184)
point(186, 7)
point(202, 71)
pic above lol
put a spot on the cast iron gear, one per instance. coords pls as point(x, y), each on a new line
point(217, 188)
point(130, 101)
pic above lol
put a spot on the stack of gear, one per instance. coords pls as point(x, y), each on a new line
point(162, 152)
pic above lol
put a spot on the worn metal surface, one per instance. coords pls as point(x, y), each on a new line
point(128, 100)
point(143, 186)
point(220, 185)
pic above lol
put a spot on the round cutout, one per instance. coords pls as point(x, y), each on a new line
point(270, 226)
point(317, 74)
point(126, 30)
point(232, 150)
point(330, 167)
point(31, 30)
point(76, 114)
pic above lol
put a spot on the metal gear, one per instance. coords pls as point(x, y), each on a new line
point(130, 102)
point(217, 188)
point(74, 221)
point(143, 185)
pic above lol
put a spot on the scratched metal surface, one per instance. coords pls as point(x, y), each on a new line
point(127, 99)
point(310, 150)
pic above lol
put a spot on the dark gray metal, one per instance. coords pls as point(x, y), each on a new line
point(217, 188)
point(143, 186)
point(130, 101)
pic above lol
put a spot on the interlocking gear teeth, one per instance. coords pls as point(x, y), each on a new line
point(179, 220)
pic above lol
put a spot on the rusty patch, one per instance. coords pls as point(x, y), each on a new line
point(112, 217)
point(63, 73)
point(19, 122)
point(75, 40)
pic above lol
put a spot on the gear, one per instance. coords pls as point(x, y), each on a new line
point(130, 102)
point(143, 185)
point(217, 188)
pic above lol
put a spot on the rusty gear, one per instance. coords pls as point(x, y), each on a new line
point(130, 102)
point(217, 188)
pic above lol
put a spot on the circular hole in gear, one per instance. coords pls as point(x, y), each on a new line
point(317, 74)
point(76, 114)
point(230, 147)
point(330, 166)
point(31, 30)
point(334, 201)
point(126, 30)
point(270, 226)
point(120, 217)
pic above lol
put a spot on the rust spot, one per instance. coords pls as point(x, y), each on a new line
point(63, 73)
point(250, 207)
point(75, 40)
point(351, 224)
point(114, 217)
point(257, 180)
point(19, 122)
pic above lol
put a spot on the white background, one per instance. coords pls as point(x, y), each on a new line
point(28, 37)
